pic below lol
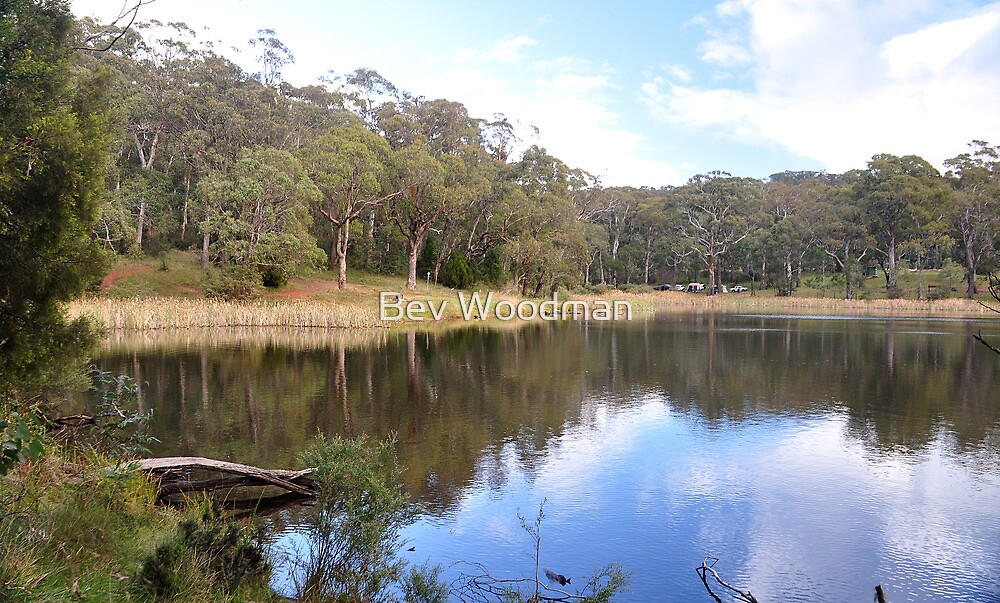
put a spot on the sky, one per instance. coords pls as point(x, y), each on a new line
point(652, 92)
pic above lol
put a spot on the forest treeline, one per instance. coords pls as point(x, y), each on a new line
point(256, 173)
point(265, 178)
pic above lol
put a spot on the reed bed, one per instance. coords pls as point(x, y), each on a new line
point(150, 314)
point(243, 338)
point(798, 305)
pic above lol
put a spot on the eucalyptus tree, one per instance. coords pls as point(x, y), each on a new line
point(889, 188)
point(424, 199)
point(438, 152)
point(655, 228)
point(350, 167)
point(843, 235)
point(620, 205)
point(550, 245)
point(975, 211)
point(260, 212)
point(273, 58)
point(369, 95)
point(716, 211)
point(791, 208)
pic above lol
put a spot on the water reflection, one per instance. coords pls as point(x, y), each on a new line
point(817, 457)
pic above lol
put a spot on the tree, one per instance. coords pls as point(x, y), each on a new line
point(53, 152)
point(842, 235)
point(975, 214)
point(348, 166)
point(791, 207)
point(424, 199)
point(261, 212)
point(438, 156)
point(716, 209)
point(273, 57)
point(889, 188)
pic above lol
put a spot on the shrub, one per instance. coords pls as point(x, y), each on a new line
point(239, 283)
point(221, 555)
point(274, 275)
point(354, 538)
point(423, 584)
point(458, 273)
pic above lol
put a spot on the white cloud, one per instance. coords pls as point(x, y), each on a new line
point(934, 49)
point(507, 50)
point(571, 102)
point(722, 51)
point(678, 72)
point(827, 85)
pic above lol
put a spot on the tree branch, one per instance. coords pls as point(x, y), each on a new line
point(709, 568)
point(134, 11)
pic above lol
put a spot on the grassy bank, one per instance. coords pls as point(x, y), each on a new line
point(71, 530)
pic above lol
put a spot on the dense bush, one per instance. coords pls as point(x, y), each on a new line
point(458, 273)
point(238, 283)
point(222, 554)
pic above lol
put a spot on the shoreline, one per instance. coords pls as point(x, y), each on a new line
point(150, 314)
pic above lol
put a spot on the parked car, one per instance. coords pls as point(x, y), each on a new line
point(664, 287)
point(678, 287)
point(695, 287)
point(738, 289)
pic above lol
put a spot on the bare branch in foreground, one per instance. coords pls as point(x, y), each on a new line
point(709, 568)
point(481, 586)
point(110, 28)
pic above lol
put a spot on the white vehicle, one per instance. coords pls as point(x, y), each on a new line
point(738, 289)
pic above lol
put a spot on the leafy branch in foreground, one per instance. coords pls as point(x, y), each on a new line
point(116, 426)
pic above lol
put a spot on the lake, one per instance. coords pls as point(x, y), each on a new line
point(815, 456)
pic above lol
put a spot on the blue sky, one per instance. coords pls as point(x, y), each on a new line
point(653, 92)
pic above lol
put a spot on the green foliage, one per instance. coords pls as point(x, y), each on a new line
point(354, 539)
point(457, 273)
point(951, 274)
point(238, 283)
point(18, 442)
point(53, 152)
point(423, 584)
point(259, 211)
point(119, 429)
point(274, 275)
point(491, 270)
point(428, 258)
point(223, 555)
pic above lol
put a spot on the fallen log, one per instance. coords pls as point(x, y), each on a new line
point(174, 476)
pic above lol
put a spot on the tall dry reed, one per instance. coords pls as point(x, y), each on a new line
point(170, 313)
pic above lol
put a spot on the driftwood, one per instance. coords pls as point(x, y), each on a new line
point(175, 476)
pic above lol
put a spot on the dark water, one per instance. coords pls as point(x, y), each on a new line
point(815, 456)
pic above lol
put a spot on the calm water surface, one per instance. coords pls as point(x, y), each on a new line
point(815, 456)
